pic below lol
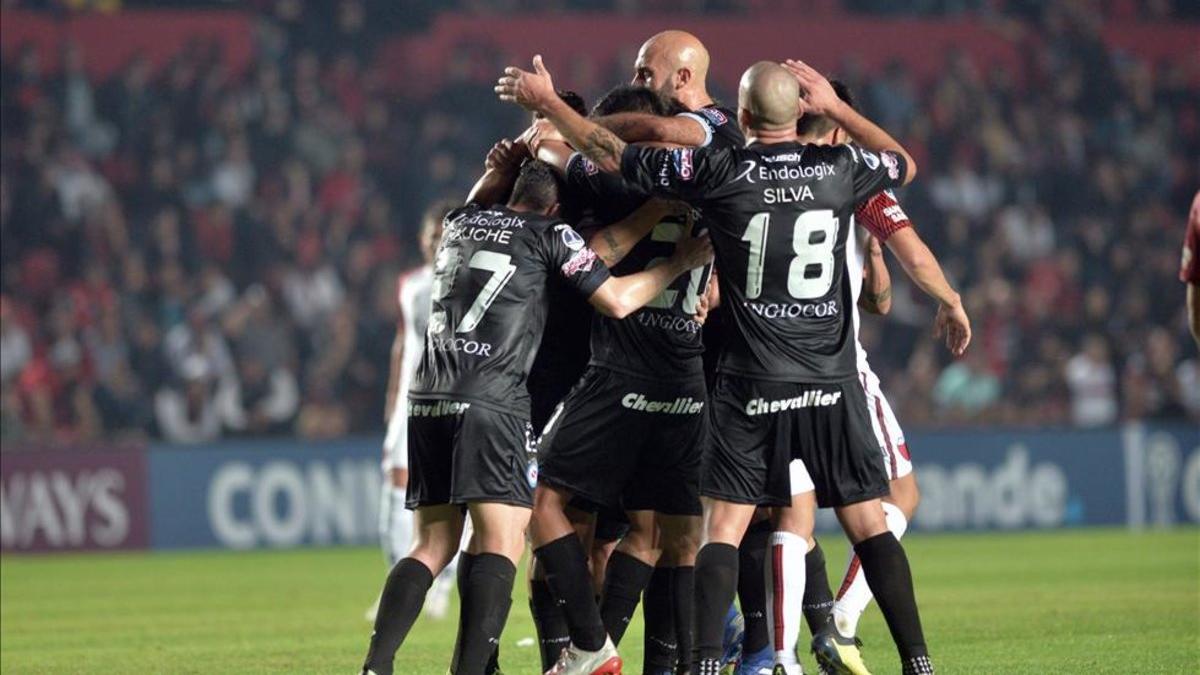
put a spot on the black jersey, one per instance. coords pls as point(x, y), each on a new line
point(780, 215)
point(489, 302)
point(661, 339)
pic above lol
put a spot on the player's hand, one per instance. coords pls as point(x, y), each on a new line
point(701, 314)
point(817, 96)
point(953, 324)
point(541, 131)
point(692, 252)
point(506, 156)
point(532, 91)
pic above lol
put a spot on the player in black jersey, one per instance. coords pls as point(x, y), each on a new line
point(630, 434)
point(787, 384)
point(468, 406)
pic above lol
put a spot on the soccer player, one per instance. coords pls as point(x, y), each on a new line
point(787, 386)
point(468, 407)
point(880, 219)
point(395, 520)
point(630, 434)
point(1189, 269)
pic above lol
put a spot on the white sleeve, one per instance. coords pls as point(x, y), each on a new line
point(699, 119)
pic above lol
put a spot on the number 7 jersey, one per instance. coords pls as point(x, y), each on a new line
point(781, 216)
point(489, 303)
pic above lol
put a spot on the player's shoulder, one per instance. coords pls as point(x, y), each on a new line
point(720, 125)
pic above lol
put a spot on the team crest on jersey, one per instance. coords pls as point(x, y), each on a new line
point(437, 323)
point(682, 157)
point(569, 236)
point(869, 158)
point(713, 115)
point(891, 162)
point(582, 261)
point(589, 167)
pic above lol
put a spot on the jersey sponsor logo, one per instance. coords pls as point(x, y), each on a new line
point(682, 157)
point(754, 173)
point(890, 160)
point(437, 408)
point(491, 218)
point(713, 115)
point(662, 321)
point(461, 345)
point(684, 405)
point(569, 236)
point(582, 261)
point(869, 158)
point(895, 213)
point(793, 310)
point(813, 398)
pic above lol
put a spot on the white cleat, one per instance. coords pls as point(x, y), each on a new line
point(575, 661)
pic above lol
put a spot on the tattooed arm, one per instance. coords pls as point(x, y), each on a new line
point(614, 241)
point(876, 295)
point(535, 91)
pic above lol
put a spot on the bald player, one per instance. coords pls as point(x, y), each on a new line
point(786, 386)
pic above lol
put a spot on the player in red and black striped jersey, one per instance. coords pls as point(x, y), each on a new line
point(880, 221)
point(787, 387)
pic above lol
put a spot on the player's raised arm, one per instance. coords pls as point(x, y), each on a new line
point(619, 297)
point(819, 98)
point(923, 268)
point(634, 127)
point(535, 92)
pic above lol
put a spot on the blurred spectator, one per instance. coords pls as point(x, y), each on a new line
point(1093, 383)
point(190, 252)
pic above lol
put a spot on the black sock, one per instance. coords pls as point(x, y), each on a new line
point(886, 568)
point(818, 598)
point(683, 596)
point(486, 594)
point(716, 582)
point(550, 622)
point(465, 562)
point(567, 574)
point(399, 605)
point(658, 612)
point(752, 585)
point(624, 580)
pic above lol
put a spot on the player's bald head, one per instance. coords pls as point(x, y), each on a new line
point(672, 60)
point(768, 96)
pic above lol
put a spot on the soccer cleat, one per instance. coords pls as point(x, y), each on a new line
point(731, 641)
point(575, 661)
point(918, 665)
point(761, 662)
point(838, 654)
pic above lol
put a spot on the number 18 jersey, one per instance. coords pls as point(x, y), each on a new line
point(489, 306)
point(780, 217)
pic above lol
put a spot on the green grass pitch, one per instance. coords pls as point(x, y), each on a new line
point(1092, 601)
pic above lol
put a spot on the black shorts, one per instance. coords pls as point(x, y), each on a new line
point(627, 442)
point(460, 452)
point(758, 427)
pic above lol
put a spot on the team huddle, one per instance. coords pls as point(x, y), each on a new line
point(635, 348)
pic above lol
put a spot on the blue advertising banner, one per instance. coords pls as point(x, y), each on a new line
point(253, 494)
point(1137, 475)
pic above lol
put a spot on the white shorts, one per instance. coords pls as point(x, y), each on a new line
point(887, 430)
point(801, 481)
point(395, 444)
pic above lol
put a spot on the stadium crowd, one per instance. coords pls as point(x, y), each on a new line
point(188, 254)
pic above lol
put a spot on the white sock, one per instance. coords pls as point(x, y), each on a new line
point(400, 525)
point(855, 595)
point(785, 572)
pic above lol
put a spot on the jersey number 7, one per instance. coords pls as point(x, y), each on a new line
point(445, 272)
